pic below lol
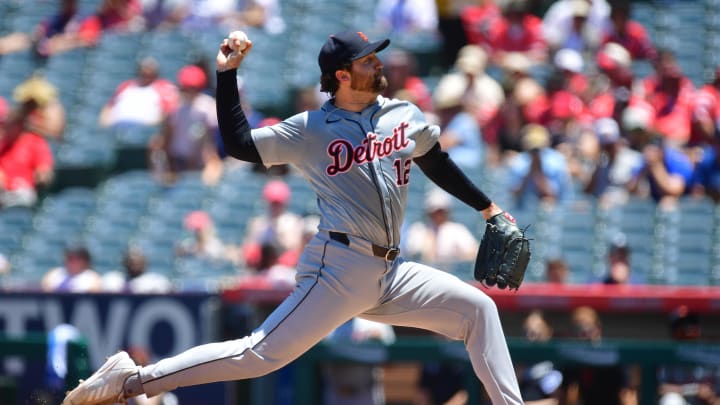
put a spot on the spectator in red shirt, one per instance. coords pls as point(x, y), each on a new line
point(705, 115)
point(568, 74)
point(670, 93)
point(518, 31)
point(26, 162)
point(478, 20)
point(630, 34)
point(615, 83)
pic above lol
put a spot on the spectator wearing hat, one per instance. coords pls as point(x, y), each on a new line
point(276, 225)
point(75, 276)
point(539, 172)
point(569, 67)
point(614, 84)
point(614, 166)
point(187, 138)
point(203, 241)
point(145, 100)
point(576, 24)
point(26, 162)
point(461, 137)
point(39, 100)
point(438, 239)
point(637, 121)
point(484, 96)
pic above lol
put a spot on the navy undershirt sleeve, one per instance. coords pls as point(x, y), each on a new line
point(234, 127)
point(438, 167)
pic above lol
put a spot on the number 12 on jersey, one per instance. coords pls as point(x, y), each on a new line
point(402, 171)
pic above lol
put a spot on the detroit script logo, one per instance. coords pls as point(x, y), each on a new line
point(344, 154)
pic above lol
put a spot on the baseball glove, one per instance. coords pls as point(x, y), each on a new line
point(504, 253)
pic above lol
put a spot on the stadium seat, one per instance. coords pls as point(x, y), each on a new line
point(16, 218)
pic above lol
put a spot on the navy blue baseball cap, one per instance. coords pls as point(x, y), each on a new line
point(345, 47)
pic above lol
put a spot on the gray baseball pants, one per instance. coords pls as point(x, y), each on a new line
point(336, 282)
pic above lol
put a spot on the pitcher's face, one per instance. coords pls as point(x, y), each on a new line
point(367, 75)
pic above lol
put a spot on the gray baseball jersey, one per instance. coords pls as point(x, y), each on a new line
point(359, 165)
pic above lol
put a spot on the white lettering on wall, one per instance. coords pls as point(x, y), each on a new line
point(102, 342)
point(15, 314)
point(162, 310)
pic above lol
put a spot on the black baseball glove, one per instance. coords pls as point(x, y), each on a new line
point(504, 253)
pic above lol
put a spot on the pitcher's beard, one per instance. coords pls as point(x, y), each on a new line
point(378, 85)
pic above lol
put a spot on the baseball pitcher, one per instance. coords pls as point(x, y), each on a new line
point(356, 152)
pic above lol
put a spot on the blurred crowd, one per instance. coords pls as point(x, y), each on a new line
point(544, 91)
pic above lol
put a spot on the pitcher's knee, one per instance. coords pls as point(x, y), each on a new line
point(261, 364)
point(484, 313)
point(485, 304)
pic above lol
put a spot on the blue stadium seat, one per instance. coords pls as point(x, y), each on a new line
point(28, 269)
point(159, 252)
point(16, 218)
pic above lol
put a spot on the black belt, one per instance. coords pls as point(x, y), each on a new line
point(388, 254)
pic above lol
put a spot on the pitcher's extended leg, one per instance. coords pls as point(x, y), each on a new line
point(423, 297)
point(323, 300)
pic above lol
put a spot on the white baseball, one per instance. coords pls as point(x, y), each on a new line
point(238, 41)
